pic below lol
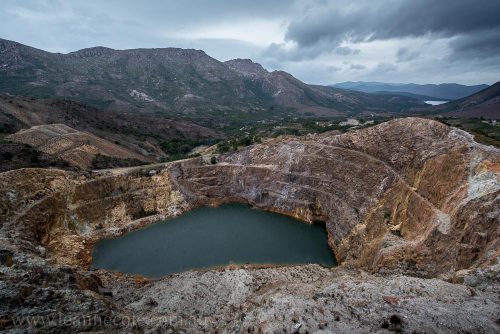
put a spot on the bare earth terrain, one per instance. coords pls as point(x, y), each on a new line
point(76, 147)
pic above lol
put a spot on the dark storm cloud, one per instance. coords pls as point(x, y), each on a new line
point(396, 19)
point(279, 51)
point(479, 46)
point(330, 25)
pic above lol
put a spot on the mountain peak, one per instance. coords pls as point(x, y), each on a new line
point(247, 67)
point(91, 52)
point(7, 46)
point(99, 51)
point(4, 43)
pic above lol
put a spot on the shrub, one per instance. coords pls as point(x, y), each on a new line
point(8, 155)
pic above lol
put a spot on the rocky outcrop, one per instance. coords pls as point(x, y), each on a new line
point(408, 198)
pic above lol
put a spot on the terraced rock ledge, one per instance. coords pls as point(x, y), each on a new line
point(411, 208)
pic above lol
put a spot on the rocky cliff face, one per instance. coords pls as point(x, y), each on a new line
point(408, 197)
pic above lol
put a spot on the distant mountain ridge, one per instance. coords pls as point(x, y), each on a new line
point(485, 103)
point(287, 90)
point(175, 81)
point(446, 92)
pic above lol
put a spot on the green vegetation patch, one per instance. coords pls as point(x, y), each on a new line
point(181, 148)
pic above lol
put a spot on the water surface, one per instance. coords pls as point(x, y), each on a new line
point(207, 237)
point(436, 103)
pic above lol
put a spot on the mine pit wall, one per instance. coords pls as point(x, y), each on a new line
point(357, 224)
point(67, 220)
point(380, 215)
point(78, 216)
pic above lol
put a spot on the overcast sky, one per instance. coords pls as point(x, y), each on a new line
point(318, 41)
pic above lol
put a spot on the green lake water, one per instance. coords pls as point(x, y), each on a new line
point(208, 237)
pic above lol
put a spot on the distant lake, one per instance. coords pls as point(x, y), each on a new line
point(207, 237)
point(436, 103)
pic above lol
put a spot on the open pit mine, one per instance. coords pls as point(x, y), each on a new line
point(411, 208)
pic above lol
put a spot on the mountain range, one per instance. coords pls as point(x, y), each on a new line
point(485, 103)
point(172, 81)
point(446, 92)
